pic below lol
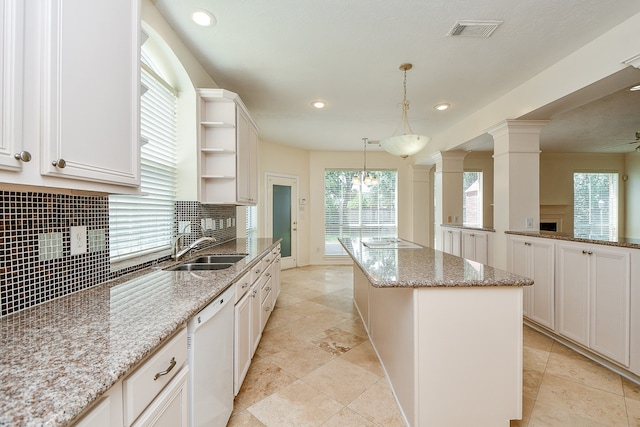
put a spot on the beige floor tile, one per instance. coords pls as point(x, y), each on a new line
point(244, 419)
point(284, 300)
point(263, 379)
point(566, 363)
point(633, 411)
point(364, 356)
point(336, 341)
point(534, 359)
point(547, 416)
point(568, 397)
point(275, 340)
point(307, 327)
point(533, 338)
point(341, 380)
point(301, 359)
point(631, 390)
point(378, 405)
point(281, 316)
point(336, 302)
point(354, 325)
point(348, 418)
point(297, 405)
point(531, 381)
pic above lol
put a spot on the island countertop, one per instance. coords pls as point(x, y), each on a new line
point(398, 263)
point(59, 357)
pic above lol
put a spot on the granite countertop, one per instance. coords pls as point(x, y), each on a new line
point(420, 266)
point(59, 357)
point(464, 227)
point(623, 242)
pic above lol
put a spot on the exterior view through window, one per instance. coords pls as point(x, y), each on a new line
point(358, 210)
point(472, 199)
point(595, 205)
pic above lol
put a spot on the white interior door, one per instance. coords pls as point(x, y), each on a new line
point(282, 216)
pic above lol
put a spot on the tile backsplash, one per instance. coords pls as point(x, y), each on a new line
point(36, 261)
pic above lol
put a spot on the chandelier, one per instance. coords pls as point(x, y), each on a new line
point(366, 180)
point(404, 142)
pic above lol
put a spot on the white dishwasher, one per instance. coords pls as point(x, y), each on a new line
point(210, 359)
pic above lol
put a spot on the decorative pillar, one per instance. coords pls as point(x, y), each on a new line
point(448, 179)
point(516, 183)
point(422, 205)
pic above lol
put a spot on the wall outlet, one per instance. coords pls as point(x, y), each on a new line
point(78, 240)
point(529, 222)
point(208, 224)
point(221, 223)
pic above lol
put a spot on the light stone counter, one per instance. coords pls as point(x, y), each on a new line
point(424, 267)
point(447, 331)
point(623, 242)
point(59, 357)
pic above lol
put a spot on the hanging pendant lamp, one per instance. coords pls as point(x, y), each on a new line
point(367, 179)
point(404, 142)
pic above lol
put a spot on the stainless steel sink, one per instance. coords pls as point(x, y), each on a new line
point(215, 259)
point(200, 266)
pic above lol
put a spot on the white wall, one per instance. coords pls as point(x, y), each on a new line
point(556, 180)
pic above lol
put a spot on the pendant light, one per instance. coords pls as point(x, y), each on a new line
point(404, 143)
point(367, 179)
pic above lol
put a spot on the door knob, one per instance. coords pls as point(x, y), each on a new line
point(23, 156)
point(60, 163)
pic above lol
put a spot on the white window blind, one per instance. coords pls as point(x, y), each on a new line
point(144, 224)
point(595, 205)
point(251, 223)
point(360, 210)
point(472, 199)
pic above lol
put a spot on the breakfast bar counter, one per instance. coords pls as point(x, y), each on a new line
point(448, 331)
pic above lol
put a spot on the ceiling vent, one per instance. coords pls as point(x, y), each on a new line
point(474, 28)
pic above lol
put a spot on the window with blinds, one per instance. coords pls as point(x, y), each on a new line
point(595, 205)
point(139, 225)
point(472, 199)
point(358, 210)
point(251, 223)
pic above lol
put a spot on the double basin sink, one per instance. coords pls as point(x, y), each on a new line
point(209, 262)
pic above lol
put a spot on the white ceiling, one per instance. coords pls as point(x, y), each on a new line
point(280, 55)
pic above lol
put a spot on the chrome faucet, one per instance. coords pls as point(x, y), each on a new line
point(179, 252)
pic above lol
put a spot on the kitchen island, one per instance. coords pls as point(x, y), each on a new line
point(448, 332)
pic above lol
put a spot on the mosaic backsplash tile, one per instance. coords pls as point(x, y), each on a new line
point(36, 264)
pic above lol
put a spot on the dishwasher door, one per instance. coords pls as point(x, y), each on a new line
point(210, 358)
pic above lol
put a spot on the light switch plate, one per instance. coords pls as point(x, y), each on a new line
point(78, 240)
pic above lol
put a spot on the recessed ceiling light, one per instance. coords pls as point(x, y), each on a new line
point(442, 107)
point(203, 18)
point(636, 87)
point(319, 104)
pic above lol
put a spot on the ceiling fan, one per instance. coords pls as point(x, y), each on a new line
point(635, 141)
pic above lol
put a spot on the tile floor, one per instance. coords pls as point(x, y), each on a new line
point(315, 367)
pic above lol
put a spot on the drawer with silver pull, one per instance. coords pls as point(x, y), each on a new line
point(148, 380)
point(243, 285)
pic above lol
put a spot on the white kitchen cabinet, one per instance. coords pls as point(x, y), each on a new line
point(227, 149)
point(145, 386)
point(451, 241)
point(256, 330)
point(90, 79)
point(475, 245)
point(107, 412)
point(594, 285)
point(171, 407)
point(12, 154)
point(243, 341)
point(534, 258)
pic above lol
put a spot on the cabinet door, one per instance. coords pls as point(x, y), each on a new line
point(255, 316)
point(243, 156)
point(90, 90)
point(573, 293)
point(11, 43)
point(253, 165)
point(610, 295)
point(107, 412)
point(543, 290)
point(468, 245)
point(243, 341)
point(518, 263)
point(451, 241)
point(481, 250)
point(171, 407)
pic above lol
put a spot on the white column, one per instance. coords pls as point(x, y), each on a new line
point(448, 179)
point(516, 183)
point(422, 208)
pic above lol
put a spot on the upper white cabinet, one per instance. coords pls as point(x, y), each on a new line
point(90, 84)
point(534, 258)
point(12, 155)
point(594, 294)
point(70, 94)
point(227, 149)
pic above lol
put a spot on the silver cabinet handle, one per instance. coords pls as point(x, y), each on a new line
point(258, 271)
point(23, 156)
point(253, 295)
point(268, 288)
point(244, 285)
point(60, 163)
point(267, 274)
point(172, 363)
point(267, 308)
